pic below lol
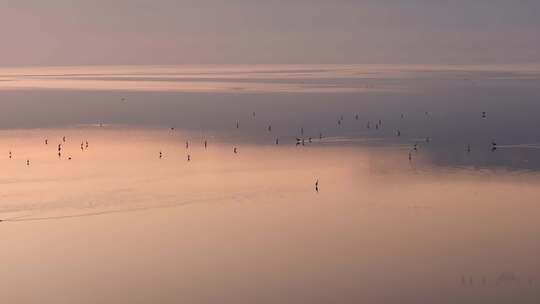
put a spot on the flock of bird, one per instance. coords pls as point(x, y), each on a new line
point(299, 140)
point(84, 145)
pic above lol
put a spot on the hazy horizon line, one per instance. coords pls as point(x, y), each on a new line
point(273, 64)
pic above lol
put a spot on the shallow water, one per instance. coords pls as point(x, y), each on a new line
point(444, 103)
point(117, 223)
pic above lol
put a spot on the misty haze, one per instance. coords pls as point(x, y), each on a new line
point(270, 151)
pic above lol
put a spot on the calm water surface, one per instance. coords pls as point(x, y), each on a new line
point(115, 223)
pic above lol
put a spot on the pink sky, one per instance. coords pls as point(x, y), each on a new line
point(62, 32)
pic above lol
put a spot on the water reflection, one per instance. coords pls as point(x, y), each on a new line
point(457, 107)
point(249, 227)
